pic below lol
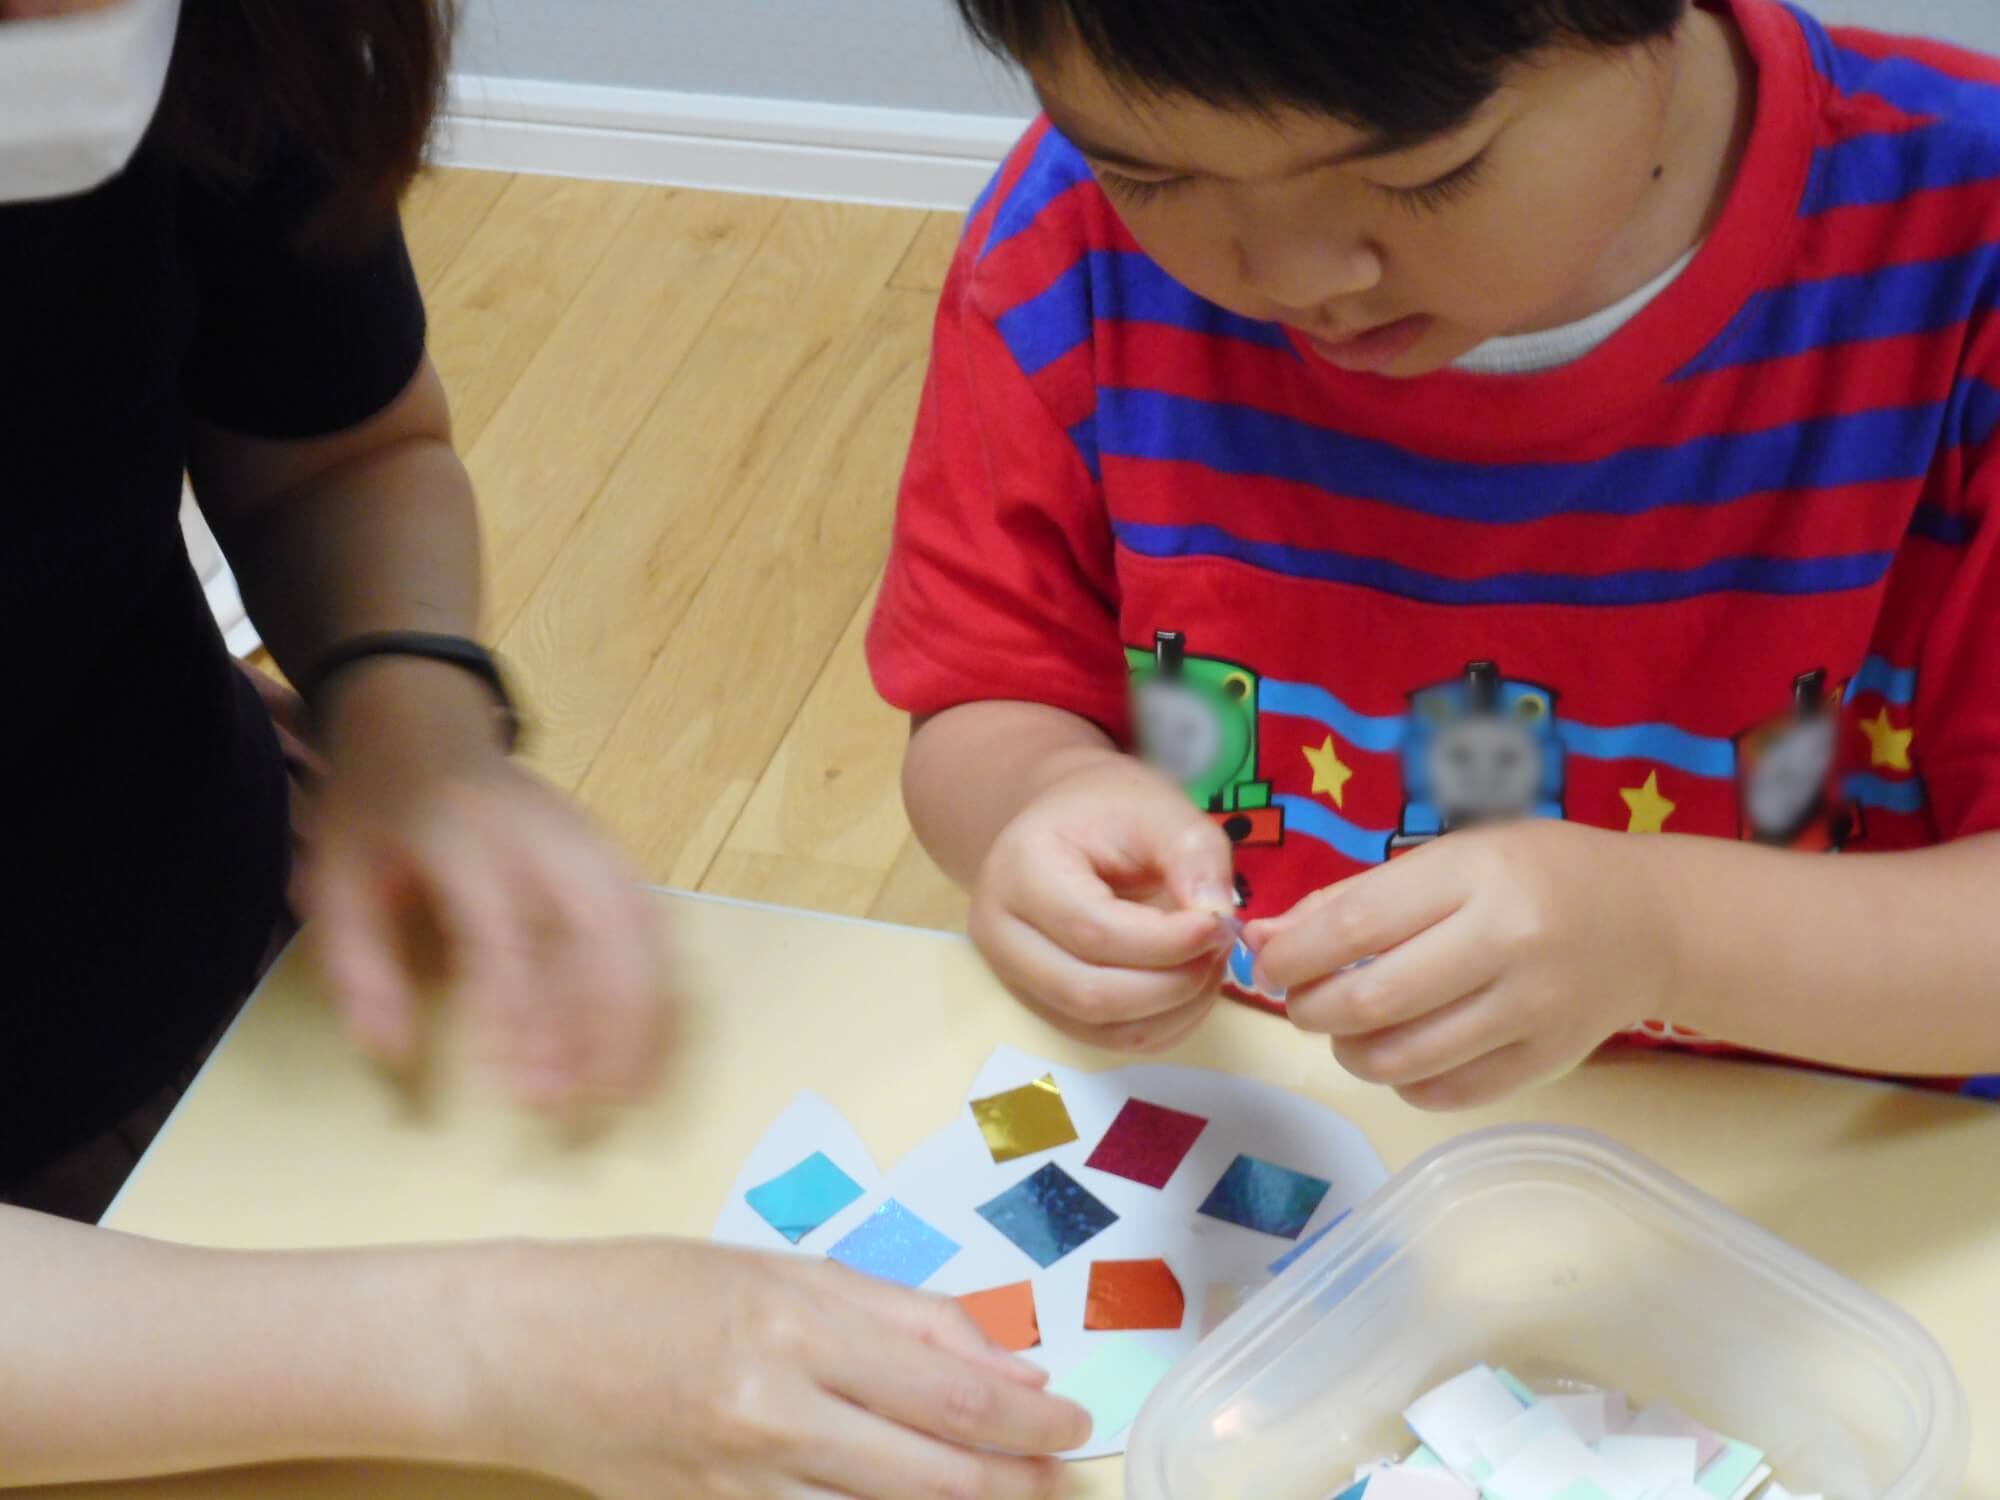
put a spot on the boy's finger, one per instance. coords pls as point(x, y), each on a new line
point(1431, 1046)
point(1078, 913)
point(1361, 918)
point(1415, 979)
point(1096, 995)
point(1490, 1078)
point(1198, 864)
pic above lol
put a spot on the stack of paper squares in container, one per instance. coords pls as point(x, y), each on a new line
point(1097, 1223)
point(1486, 1436)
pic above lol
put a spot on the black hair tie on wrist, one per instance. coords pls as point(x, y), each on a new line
point(453, 650)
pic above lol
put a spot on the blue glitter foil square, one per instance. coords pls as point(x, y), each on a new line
point(1267, 1198)
point(893, 1244)
point(1048, 1215)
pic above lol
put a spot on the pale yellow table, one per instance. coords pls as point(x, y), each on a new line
point(288, 1141)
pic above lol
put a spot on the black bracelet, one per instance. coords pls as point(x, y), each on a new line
point(453, 650)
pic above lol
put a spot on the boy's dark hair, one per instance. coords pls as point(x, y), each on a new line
point(1405, 68)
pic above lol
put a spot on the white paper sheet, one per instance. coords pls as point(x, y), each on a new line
point(1537, 1422)
point(1549, 1466)
point(1663, 1420)
point(946, 1179)
point(1659, 1463)
point(1455, 1418)
point(1591, 1415)
point(1418, 1484)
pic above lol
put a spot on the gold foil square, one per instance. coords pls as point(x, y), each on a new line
point(1025, 1120)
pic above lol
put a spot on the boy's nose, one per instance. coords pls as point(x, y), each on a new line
point(1302, 273)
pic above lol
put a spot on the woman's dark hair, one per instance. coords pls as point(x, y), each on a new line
point(1404, 68)
point(346, 89)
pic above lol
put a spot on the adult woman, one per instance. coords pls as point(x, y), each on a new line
point(200, 268)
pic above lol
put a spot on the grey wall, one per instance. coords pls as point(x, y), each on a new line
point(1970, 23)
point(909, 54)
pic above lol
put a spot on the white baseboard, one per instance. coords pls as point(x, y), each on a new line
point(782, 147)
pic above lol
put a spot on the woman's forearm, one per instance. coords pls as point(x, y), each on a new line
point(970, 770)
point(1879, 962)
point(122, 1357)
point(372, 529)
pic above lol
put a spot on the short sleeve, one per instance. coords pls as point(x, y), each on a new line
point(293, 341)
point(1956, 745)
point(1001, 581)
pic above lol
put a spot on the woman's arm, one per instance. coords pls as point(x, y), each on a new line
point(374, 529)
point(633, 1369)
point(122, 1357)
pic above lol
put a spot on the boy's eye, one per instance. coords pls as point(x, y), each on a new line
point(1432, 197)
point(1135, 190)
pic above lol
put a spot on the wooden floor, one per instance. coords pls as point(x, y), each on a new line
point(686, 414)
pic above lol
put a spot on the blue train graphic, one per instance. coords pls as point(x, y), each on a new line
point(1478, 749)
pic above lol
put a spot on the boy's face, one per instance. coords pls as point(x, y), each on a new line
point(1391, 261)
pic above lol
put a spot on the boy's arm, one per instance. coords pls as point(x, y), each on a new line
point(1499, 957)
point(1884, 962)
point(970, 770)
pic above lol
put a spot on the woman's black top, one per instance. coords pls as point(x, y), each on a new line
point(143, 837)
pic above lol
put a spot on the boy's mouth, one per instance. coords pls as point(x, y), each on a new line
point(1375, 349)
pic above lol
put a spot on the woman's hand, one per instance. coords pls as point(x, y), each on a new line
point(1098, 905)
point(645, 1369)
point(421, 820)
point(1490, 960)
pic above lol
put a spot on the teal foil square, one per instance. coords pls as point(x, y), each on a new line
point(1265, 1197)
point(797, 1202)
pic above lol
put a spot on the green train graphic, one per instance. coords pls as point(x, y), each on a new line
point(1196, 719)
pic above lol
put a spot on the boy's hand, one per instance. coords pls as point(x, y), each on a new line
point(1098, 906)
point(1499, 957)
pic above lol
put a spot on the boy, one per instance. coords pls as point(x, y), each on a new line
point(1523, 474)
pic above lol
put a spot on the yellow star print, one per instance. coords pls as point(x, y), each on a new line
point(1330, 774)
point(1650, 810)
point(1888, 746)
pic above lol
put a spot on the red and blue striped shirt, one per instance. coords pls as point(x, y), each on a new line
point(1735, 573)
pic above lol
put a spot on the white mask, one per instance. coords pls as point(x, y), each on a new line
point(77, 94)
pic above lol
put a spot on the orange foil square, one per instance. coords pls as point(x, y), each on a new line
point(1006, 1315)
point(1133, 1295)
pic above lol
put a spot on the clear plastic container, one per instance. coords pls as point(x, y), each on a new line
point(1572, 1262)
